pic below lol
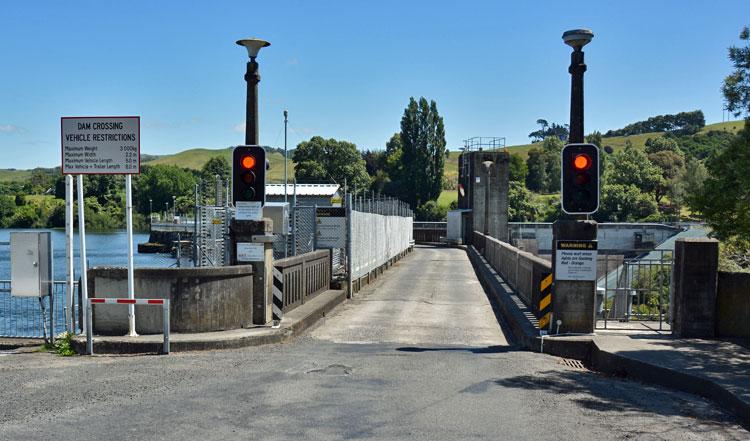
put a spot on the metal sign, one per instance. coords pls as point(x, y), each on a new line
point(101, 145)
point(330, 227)
point(575, 259)
point(250, 252)
point(31, 264)
point(248, 210)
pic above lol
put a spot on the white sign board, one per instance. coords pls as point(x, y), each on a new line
point(101, 145)
point(330, 227)
point(249, 252)
point(248, 210)
point(575, 260)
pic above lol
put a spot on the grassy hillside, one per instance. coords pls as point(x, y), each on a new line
point(11, 175)
point(195, 158)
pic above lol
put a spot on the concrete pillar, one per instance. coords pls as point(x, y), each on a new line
point(694, 279)
point(573, 300)
point(486, 191)
point(243, 231)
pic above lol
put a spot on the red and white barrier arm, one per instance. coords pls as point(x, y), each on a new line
point(128, 301)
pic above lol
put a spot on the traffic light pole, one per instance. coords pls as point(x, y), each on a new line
point(576, 69)
point(251, 105)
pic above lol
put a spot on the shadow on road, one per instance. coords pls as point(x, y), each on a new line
point(483, 350)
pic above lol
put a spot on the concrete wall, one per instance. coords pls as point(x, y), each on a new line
point(202, 299)
point(611, 236)
point(522, 270)
point(733, 305)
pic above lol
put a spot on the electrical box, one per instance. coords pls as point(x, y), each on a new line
point(278, 212)
point(31, 272)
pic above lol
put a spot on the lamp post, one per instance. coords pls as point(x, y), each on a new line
point(488, 167)
point(150, 210)
point(253, 46)
point(577, 39)
point(286, 159)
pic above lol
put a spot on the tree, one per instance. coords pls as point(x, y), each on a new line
point(595, 138)
point(624, 203)
point(520, 208)
point(736, 88)
point(326, 160)
point(430, 211)
point(631, 166)
point(552, 150)
point(559, 131)
point(654, 145)
point(517, 168)
point(159, 183)
point(422, 141)
point(536, 179)
point(724, 200)
point(671, 165)
point(217, 165)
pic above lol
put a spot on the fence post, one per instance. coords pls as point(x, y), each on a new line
point(89, 337)
point(165, 320)
point(349, 256)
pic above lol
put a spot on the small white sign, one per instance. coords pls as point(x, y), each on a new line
point(248, 210)
point(575, 260)
point(249, 252)
point(101, 145)
point(331, 232)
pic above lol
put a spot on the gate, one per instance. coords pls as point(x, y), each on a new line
point(29, 317)
point(304, 230)
point(634, 290)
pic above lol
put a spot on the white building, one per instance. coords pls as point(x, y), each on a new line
point(307, 194)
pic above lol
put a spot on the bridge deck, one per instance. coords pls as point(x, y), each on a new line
point(431, 297)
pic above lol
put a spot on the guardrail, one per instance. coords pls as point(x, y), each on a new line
point(302, 277)
point(164, 303)
point(429, 232)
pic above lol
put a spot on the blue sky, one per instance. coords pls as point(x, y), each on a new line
point(347, 69)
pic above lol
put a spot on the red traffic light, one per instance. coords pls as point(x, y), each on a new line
point(582, 162)
point(248, 162)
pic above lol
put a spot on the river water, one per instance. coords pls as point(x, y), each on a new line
point(102, 249)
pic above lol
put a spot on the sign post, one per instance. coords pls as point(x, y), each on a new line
point(103, 145)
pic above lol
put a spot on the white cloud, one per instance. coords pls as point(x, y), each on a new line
point(10, 128)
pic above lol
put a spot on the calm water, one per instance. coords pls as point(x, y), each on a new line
point(102, 249)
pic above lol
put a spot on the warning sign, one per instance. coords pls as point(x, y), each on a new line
point(575, 259)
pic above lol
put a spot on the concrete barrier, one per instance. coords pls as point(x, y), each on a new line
point(733, 305)
point(521, 270)
point(201, 299)
point(303, 277)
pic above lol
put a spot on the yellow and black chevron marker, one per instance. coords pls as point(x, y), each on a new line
point(545, 301)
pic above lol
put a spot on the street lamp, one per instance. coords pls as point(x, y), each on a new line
point(253, 46)
point(577, 39)
point(488, 167)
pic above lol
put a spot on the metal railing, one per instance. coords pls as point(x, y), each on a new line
point(429, 232)
point(29, 317)
point(635, 289)
point(303, 277)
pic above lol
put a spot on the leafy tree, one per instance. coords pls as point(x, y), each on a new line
point(595, 138)
point(631, 166)
point(517, 168)
point(681, 123)
point(520, 206)
point(624, 203)
point(702, 145)
point(736, 88)
point(654, 145)
point(559, 131)
point(326, 160)
point(671, 165)
point(430, 211)
point(724, 200)
point(536, 178)
point(7, 208)
point(552, 149)
point(217, 165)
point(422, 153)
point(159, 183)
point(374, 161)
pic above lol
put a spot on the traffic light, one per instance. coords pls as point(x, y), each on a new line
point(580, 178)
point(249, 174)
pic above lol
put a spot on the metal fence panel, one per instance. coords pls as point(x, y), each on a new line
point(25, 317)
point(376, 238)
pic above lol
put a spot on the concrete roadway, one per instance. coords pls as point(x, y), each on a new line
point(418, 356)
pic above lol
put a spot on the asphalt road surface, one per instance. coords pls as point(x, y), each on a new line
point(418, 356)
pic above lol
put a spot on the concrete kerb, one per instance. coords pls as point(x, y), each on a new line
point(293, 324)
point(525, 333)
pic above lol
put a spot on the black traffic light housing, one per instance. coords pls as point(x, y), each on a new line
point(249, 174)
point(580, 178)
